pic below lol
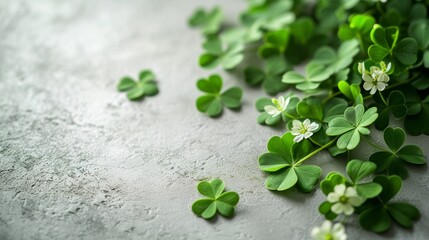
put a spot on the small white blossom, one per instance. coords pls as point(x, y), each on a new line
point(280, 105)
point(344, 199)
point(376, 78)
point(328, 232)
point(303, 130)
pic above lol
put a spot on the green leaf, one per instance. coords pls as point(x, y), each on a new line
point(274, 43)
point(213, 84)
point(394, 138)
point(282, 180)
point(215, 54)
point(403, 213)
point(208, 21)
point(253, 75)
point(226, 202)
point(211, 189)
point(412, 154)
point(377, 224)
point(231, 98)
point(146, 76)
point(378, 53)
point(135, 93)
point(315, 74)
point(308, 176)
point(357, 170)
point(419, 30)
point(310, 108)
point(368, 190)
point(302, 29)
point(209, 104)
point(205, 208)
point(331, 180)
point(150, 89)
point(334, 108)
point(272, 162)
point(406, 51)
point(126, 83)
point(391, 186)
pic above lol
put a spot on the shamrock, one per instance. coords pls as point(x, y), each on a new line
point(213, 101)
point(392, 161)
point(215, 54)
point(217, 200)
point(377, 213)
point(283, 162)
point(352, 125)
point(359, 28)
point(419, 30)
point(273, 119)
point(271, 76)
point(357, 171)
point(137, 89)
point(394, 105)
point(275, 43)
point(208, 21)
point(389, 48)
point(315, 74)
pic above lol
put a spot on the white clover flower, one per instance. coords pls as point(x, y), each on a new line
point(303, 129)
point(376, 78)
point(344, 199)
point(280, 105)
point(327, 231)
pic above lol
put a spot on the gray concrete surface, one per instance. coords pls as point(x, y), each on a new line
point(80, 161)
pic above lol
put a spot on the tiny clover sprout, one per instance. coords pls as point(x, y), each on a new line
point(357, 171)
point(391, 161)
point(315, 74)
point(387, 47)
point(215, 54)
point(419, 30)
point(213, 101)
point(145, 86)
point(395, 105)
point(208, 21)
point(359, 28)
point(275, 43)
point(271, 76)
point(283, 162)
point(377, 213)
point(351, 126)
point(270, 117)
point(217, 200)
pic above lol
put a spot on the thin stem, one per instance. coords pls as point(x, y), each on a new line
point(382, 98)
point(316, 151)
point(316, 143)
point(374, 145)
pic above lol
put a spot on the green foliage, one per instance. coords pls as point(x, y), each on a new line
point(215, 54)
point(351, 91)
point(213, 101)
point(351, 126)
point(282, 162)
point(394, 105)
point(216, 200)
point(391, 162)
point(315, 74)
point(145, 86)
point(208, 21)
point(378, 213)
point(418, 113)
point(359, 28)
point(275, 43)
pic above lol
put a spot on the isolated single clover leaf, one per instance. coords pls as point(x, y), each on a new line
point(208, 21)
point(217, 200)
point(359, 28)
point(270, 77)
point(391, 162)
point(377, 213)
point(275, 43)
point(337, 61)
point(215, 54)
point(315, 74)
point(357, 171)
point(282, 161)
point(145, 86)
point(213, 101)
point(350, 127)
point(394, 105)
point(388, 48)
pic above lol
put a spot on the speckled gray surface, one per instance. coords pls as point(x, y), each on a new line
point(79, 161)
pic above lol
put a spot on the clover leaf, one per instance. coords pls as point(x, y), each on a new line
point(208, 21)
point(394, 105)
point(145, 86)
point(419, 30)
point(215, 54)
point(351, 91)
point(282, 162)
point(391, 162)
point(359, 28)
point(217, 200)
point(213, 101)
point(388, 48)
point(337, 61)
point(270, 120)
point(302, 29)
point(418, 111)
point(315, 75)
point(275, 43)
point(271, 76)
point(351, 126)
point(377, 213)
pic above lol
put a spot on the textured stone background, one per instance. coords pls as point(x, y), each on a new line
point(79, 161)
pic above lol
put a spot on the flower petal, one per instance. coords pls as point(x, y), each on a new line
point(355, 201)
point(307, 135)
point(313, 126)
point(337, 208)
point(381, 86)
point(373, 90)
point(340, 189)
point(367, 85)
point(333, 197)
point(350, 192)
point(271, 110)
point(348, 209)
point(367, 78)
point(298, 138)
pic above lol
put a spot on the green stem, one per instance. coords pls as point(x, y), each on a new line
point(315, 152)
point(374, 145)
point(316, 143)
point(382, 98)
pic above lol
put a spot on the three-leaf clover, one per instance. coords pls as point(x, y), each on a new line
point(271, 76)
point(354, 123)
point(215, 54)
point(283, 162)
point(208, 21)
point(145, 86)
point(357, 171)
point(213, 101)
point(377, 213)
point(315, 74)
point(217, 200)
point(391, 162)
point(387, 48)
point(395, 105)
